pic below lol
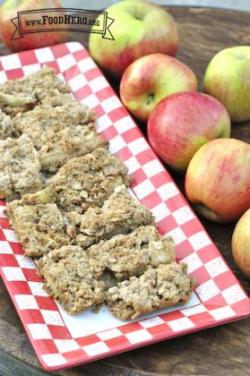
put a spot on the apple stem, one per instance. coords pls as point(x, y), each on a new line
point(150, 98)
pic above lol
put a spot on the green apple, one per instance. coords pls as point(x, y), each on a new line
point(227, 78)
point(139, 29)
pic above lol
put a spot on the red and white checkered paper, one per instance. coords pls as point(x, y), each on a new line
point(221, 297)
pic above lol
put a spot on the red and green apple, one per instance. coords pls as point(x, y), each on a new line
point(9, 10)
point(218, 179)
point(181, 123)
point(227, 78)
point(139, 28)
point(241, 243)
point(151, 78)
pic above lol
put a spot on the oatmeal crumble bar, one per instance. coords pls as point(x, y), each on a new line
point(70, 280)
point(132, 254)
point(68, 271)
point(40, 228)
point(48, 118)
point(98, 230)
point(74, 141)
point(157, 288)
point(25, 93)
point(83, 182)
point(120, 214)
point(19, 168)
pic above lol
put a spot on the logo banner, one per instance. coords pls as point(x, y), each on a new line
point(62, 19)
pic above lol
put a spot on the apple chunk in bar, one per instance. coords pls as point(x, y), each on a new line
point(83, 182)
point(19, 168)
point(40, 227)
point(156, 289)
point(69, 279)
point(120, 214)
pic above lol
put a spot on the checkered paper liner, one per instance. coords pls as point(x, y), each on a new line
point(221, 298)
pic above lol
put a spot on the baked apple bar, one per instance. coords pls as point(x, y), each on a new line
point(24, 94)
point(78, 279)
point(19, 168)
point(131, 254)
point(120, 214)
point(156, 289)
point(97, 223)
point(69, 278)
point(83, 182)
point(40, 227)
point(74, 141)
point(60, 113)
point(59, 130)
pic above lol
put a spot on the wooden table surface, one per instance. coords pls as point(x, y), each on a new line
point(215, 351)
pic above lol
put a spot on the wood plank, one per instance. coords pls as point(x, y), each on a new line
point(9, 365)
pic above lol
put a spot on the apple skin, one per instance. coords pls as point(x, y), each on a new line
point(139, 29)
point(241, 244)
point(218, 179)
point(151, 78)
point(181, 123)
point(227, 78)
point(9, 10)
